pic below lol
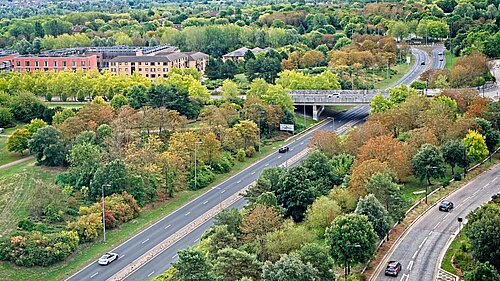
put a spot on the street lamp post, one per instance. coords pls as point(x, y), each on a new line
point(103, 216)
point(259, 128)
point(304, 95)
point(195, 164)
point(427, 186)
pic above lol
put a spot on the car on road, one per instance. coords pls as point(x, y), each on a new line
point(446, 206)
point(393, 268)
point(441, 59)
point(283, 149)
point(107, 258)
point(422, 63)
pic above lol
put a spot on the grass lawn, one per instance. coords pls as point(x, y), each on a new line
point(455, 245)
point(450, 60)
point(6, 156)
point(91, 251)
point(413, 184)
point(401, 70)
point(66, 105)
point(299, 119)
point(339, 108)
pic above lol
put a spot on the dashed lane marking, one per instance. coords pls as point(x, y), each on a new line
point(421, 244)
point(93, 275)
point(410, 265)
point(204, 203)
point(167, 226)
point(145, 241)
point(238, 181)
point(253, 173)
point(436, 225)
point(187, 214)
point(174, 256)
point(151, 273)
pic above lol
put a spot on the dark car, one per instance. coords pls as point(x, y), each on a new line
point(441, 59)
point(283, 149)
point(445, 206)
point(422, 63)
point(393, 268)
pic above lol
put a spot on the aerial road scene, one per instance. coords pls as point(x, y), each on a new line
point(261, 140)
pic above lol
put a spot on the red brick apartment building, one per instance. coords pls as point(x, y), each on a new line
point(32, 63)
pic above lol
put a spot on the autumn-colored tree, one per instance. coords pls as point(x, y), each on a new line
point(388, 150)
point(416, 138)
point(327, 142)
point(87, 119)
point(312, 58)
point(210, 148)
point(357, 137)
point(360, 174)
point(248, 131)
point(257, 223)
point(173, 171)
point(476, 146)
point(184, 144)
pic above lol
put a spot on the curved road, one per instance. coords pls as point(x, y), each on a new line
point(419, 249)
point(167, 226)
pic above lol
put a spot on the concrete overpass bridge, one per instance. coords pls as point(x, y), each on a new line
point(318, 99)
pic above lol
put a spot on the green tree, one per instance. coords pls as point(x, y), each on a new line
point(288, 268)
point(84, 160)
point(351, 239)
point(317, 255)
point(377, 215)
point(48, 147)
point(380, 104)
point(26, 106)
point(475, 145)
point(229, 90)
point(400, 93)
point(233, 264)
point(482, 272)
point(428, 163)
point(34, 125)
point(230, 218)
point(173, 97)
point(321, 214)
point(18, 140)
point(118, 101)
point(277, 95)
point(384, 187)
point(6, 119)
point(482, 230)
point(61, 116)
point(220, 239)
point(193, 266)
point(454, 154)
point(399, 30)
point(112, 177)
point(491, 136)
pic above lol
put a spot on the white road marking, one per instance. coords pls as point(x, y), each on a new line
point(121, 256)
point(475, 192)
point(430, 233)
point(174, 256)
point(267, 164)
point(404, 277)
point(145, 241)
point(204, 203)
point(93, 275)
point(223, 191)
point(253, 173)
point(410, 265)
point(436, 225)
point(487, 184)
point(421, 244)
point(151, 273)
point(414, 255)
point(279, 157)
point(466, 199)
point(167, 226)
point(302, 143)
point(187, 214)
point(291, 149)
point(196, 241)
point(445, 216)
point(238, 181)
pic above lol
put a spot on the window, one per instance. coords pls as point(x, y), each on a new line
point(140, 69)
point(146, 69)
point(36, 63)
point(153, 63)
point(73, 63)
point(82, 63)
point(65, 63)
point(147, 75)
point(45, 64)
point(164, 63)
point(55, 64)
point(27, 63)
point(119, 69)
point(113, 69)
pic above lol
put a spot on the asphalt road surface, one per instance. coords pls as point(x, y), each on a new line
point(150, 237)
point(418, 251)
point(438, 58)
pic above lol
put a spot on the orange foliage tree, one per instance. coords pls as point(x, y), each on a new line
point(361, 173)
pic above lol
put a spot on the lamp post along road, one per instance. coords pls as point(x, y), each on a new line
point(103, 212)
point(195, 164)
point(428, 168)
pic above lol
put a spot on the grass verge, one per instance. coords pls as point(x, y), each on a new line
point(7, 156)
point(401, 70)
point(450, 60)
point(89, 252)
point(455, 245)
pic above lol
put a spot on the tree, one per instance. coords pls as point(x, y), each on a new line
point(84, 160)
point(377, 215)
point(491, 136)
point(317, 255)
point(26, 106)
point(475, 145)
point(351, 239)
point(193, 266)
point(18, 140)
point(232, 265)
point(61, 116)
point(384, 187)
point(231, 218)
point(112, 177)
point(287, 239)
point(312, 58)
point(248, 131)
point(172, 97)
point(48, 147)
point(296, 192)
point(6, 118)
point(380, 104)
point(454, 154)
point(361, 173)
point(221, 238)
point(399, 30)
point(493, 114)
point(266, 68)
point(428, 163)
point(229, 90)
point(118, 101)
point(327, 142)
point(482, 230)
point(482, 272)
point(277, 95)
point(34, 125)
point(288, 268)
point(321, 213)
point(400, 93)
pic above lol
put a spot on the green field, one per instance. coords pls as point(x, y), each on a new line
point(66, 105)
point(6, 156)
point(401, 70)
point(21, 179)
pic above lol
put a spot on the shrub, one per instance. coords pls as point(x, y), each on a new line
point(240, 155)
point(250, 151)
point(457, 177)
point(36, 249)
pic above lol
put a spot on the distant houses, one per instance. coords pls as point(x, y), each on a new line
point(239, 54)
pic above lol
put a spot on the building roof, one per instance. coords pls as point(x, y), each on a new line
point(197, 55)
point(241, 51)
point(165, 58)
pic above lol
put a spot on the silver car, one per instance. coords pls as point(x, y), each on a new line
point(107, 258)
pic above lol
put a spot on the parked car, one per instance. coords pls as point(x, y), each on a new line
point(446, 206)
point(393, 268)
point(107, 258)
point(283, 149)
